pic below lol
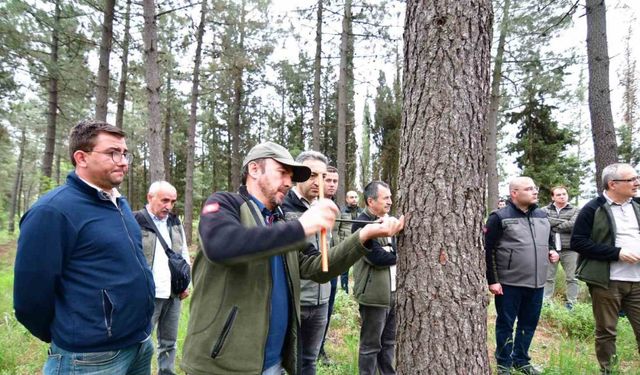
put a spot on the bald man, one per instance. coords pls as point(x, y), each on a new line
point(519, 247)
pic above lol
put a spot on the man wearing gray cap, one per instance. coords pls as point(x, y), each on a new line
point(245, 308)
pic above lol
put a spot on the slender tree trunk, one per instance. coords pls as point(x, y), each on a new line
point(102, 80)
point(154, 122)
point(15, 192)
point(124, 69)
point(168, 120)
point(343, 101)
point(604, 135)
point(237, 128)
point(317, 68)
point(191, 131)
point(442, 295)
point(52, 113)
point(494, 106)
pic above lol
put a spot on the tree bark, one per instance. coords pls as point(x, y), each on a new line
point(442, 294)
point(52, 113)
point(317, 70)
point(191, 131)
point(237, 130)
point(604, 135)
point(343, 101)
point(152, 75)
point(124, 69)
point(15, 192)
point(494, 106)
point(102, 80)
point(168, 120)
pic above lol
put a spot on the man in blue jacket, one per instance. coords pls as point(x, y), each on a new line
point(81, 280)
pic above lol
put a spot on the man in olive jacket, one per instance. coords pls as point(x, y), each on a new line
point(374, 289)
point(245, 308)
point(607, 237)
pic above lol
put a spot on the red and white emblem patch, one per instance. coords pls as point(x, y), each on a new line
point(211, 208)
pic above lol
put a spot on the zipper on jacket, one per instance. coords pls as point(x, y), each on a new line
point(535, 251)
point(510, 256)
point(366, 281)
point(225, 332)
point(107, 311)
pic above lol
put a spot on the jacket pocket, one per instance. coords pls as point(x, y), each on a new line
point(366, 281)
point(510, 256)
point(228, 324)
point(107, 310)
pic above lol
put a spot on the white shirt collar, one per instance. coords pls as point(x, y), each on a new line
point(113, 194)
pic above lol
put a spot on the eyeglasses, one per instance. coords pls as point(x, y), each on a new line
point(632, 179)
point(529, 188)
point(117, 156)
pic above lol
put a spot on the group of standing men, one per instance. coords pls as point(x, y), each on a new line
point(92, 278)
point(599, 244)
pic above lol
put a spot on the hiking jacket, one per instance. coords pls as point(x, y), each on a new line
point(562, 222)
point(517, 246)
point(229, 312)
point(372, 273)
point(149, 237)
point(80, 279)
point(594, 238)
point(311, 292)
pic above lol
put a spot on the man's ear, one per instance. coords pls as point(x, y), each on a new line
point(254, 169)
point(80, 157)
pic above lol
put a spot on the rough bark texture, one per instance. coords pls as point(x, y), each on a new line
point(237, 130)
point(604, 135)
point(494, 106)
point(17, 182)
point(152, 74)
point(317, 67)
point(442, 295)
point(191, 130)
point(343, 101)
point(102, 79)
point(124, 69)
point(52, 112)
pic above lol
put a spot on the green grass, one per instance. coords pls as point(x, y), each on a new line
point(563, 343)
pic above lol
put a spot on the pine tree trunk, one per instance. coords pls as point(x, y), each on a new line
point(152, 75)
point(604, 135)
point(168, 120)
point(493, 180)
point(102, 79)
point(317, 67)
point(343, 101)
point(52, 113)
point(15, 192)
point(442, 294)
point(124, 69)
point(237, 130)
point(191, 131)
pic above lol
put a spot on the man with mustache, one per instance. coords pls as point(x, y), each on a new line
point(375, 287)
point(155, 218)
point(81, 281)
point(245, 306)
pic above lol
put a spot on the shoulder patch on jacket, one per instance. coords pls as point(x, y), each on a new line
point(211, 208)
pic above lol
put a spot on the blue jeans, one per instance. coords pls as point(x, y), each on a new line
point(313, 321)
point(525, 305)
point(166, 316)
point(132, 360)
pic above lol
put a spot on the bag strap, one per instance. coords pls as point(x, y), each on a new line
point(256, 216)
point(156, 231)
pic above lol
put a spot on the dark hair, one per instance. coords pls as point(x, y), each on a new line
point(245, 169)
point(553, 189)
point(371, 190)
point(332, 169)
point(83, 136)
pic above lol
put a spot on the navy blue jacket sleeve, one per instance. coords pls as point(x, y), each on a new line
point(492, 234)
point(581, 241)
point(378, 256)
point(225, 239)
point(45, 236)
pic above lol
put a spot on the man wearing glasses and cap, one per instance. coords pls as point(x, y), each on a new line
point(81, 281)
point(607, 237)
point(245, 308)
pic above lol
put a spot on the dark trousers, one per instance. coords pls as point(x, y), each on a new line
point(606, 303)
point(377, 340)
point(313, 321)
point(344, 281)
point(332, 299)
point(523, 304)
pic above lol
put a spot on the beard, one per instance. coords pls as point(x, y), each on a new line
point(274, 199)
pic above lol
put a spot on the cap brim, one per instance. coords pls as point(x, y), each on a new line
point(301, 172)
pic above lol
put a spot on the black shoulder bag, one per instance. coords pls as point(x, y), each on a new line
point(180, 270)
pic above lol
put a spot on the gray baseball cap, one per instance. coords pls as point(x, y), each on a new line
point(280, 154)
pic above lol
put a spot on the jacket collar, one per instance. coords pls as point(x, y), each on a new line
point(529, 211)
point(76, 182)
